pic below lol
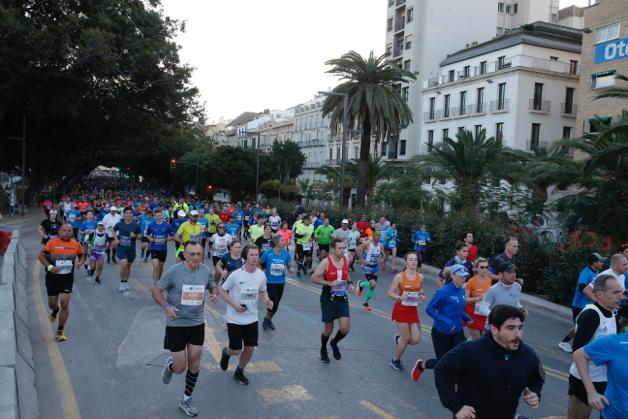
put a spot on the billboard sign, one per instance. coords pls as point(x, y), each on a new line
point(614, 50)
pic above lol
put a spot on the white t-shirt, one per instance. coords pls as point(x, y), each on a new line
point(110, 221)
point(244, 288)
point(619, 278)
point(275, 222)
point(220, 244)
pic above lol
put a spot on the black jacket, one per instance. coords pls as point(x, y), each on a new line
point(488, 378)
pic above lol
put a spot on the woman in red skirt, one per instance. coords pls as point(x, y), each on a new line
point(407, 291)
point(475, 290)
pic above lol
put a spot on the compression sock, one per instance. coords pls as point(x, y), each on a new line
point(108, 252)
point(324, 340)
point(114, 254)
point(339, 336)
point(190, 383)
point(60, 328)
point(369, 294)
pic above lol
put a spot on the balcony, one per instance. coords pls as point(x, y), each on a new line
point(568, 109)
point(401, 2)
point(332, 162)
point(400, 24)
point(432, 116)
point(539, 144)
point(498, 106)
point(539, 106)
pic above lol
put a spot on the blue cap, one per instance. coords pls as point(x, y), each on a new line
point(459, 270)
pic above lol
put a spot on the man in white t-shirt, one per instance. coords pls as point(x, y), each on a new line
point(219, 244)
point(241, 290)
point(618, 268)
point(110, 221)
point(274, 220)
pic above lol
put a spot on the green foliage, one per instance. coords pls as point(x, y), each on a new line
point(282, 190)
point(404, 189)
point(287, 160)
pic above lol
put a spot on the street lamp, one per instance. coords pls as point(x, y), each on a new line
point(345, 122)
point(23, 140)
point(174, 162)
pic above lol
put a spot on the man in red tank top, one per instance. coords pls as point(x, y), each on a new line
point(333, 274)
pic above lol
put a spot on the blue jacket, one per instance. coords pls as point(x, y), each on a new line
point(484, 375)
point(447, 309)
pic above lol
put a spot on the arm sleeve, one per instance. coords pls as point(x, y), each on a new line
point(447, 369)
point(588, 323)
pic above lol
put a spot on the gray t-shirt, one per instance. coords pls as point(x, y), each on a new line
point(501, 294)
point(343, 235)
point(185, 291)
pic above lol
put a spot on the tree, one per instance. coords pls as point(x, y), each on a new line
point(377, 170)
point(404, 188)
point(375, 108)
point(287, 160)
point(331, 187)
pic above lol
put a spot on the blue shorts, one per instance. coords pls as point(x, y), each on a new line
point(332, 310)
point(127, 253)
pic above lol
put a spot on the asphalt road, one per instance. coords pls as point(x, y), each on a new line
point(110, 367)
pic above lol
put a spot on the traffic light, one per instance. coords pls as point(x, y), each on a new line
point(210, 188)
point(173, 163)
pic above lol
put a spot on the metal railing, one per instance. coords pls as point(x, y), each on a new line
point(568, 109)
point(539, 144)
point(499, 105)
point(540, 106)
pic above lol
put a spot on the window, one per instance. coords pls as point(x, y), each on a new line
point(331, 154)
point(460, 130)
point(391, 3)
point(499, 132)
point(445, 133)
point(389, 25)
point(402, 147)
point(405, 93)
point(463, 102)
point(430, 140)
point(538, 96)
point(483, 67)
point(596, 123)
point(603, 79)
point(408, 41)
point(446, 107)
point(337, 153)
point(552, 58)
point(515, 8)
point(501, 96)
point(384, 148)
point(389, 49)
point(356, 152)
point(501, 62)
point(607, 33)
point(569, 95)
point(508, 7)
point(452, 75)
point(566, 132)
point(573, 67)
point(478, 128)
point(466, 71)
point(553, 18)
point(432, 107)
point(479, 104)
point(534, 135)
point(500, 7)
point(410, 14)
point(406, 65)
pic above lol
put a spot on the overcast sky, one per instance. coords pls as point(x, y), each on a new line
point(252, 55)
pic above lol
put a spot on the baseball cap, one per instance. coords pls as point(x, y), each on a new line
point(596, 257)
point(181, 213)
point(100, 223)
point(506, 267)
point(344, 221)
point(459, 270)
point(52, 211)
point(193, 212)
point(112, 208)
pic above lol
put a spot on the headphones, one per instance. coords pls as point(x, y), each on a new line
point(245, 251)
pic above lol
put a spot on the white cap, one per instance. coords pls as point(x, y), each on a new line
point(100, 223)
point(52, 210)
point(193, 212)
point(112, 208)
point(344, 221)
point(181, 213)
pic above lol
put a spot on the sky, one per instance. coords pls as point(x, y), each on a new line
point(252, 55)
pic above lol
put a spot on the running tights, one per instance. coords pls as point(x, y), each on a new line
point(443, 343)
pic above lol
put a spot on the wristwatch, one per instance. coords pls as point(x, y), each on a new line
point(49, 268)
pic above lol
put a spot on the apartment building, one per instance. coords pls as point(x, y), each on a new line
point(520, 87)
point(311, 132)
point(419, 31)
point(572, 16)
point(604, 55)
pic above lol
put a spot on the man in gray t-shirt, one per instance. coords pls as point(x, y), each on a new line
point(343, 232)
point(506, 291)
point(185, 284)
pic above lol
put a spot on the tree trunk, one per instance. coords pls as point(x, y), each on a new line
point(363, 164)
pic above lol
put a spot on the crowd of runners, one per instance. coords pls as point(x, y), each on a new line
point(242, 253)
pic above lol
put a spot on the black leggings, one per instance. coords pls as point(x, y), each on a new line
point(443, 343)
point(275, 292)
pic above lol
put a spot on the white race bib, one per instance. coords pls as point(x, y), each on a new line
point(306, 246)
point(412, 299)
point(422, 242)
point(65, 266)
point(248, 296)
point(276, 269)
point(192, 295)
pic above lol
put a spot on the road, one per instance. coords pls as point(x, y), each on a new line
point(110, 367)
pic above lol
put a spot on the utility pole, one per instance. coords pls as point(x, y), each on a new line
point(257, 169)
point(24, 164)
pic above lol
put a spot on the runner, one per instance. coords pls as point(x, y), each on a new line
point(219, 244)
point(146, 219)
point(73, 217)
point(422, 239)
point(232, 228)
point(362, 226)
point(213, 220)
point(618, 269)
point(447, 309)
point(406, 289)
point(185, 284)
point(176, 222)
point(286, 233)
point(322, 235)
point(204, 222)
point(189, 230)
point(474, 291)
point(333, 274)
point(342, 233)
point(96, 247)
point(303, 233)
point(354, 238)
point(124, 234)
point(506, 291)
point(111, 220)
point(229, 262)
point(485, 378)
point(369, 253)
point(256, 230)
point(460, 258)
point(49, 228)
point(511, 249)
point(86, 229)
point(594, 321)
point(275, 262)
point(473, 249)
point(274, 220)
point(595, 264)
point(263, 242)
point(240, 291)
point(59, 259)
point(389, 241)
point(158, 234)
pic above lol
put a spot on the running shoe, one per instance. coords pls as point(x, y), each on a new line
point(54, 314)
point(396, 365)
point(265, 325)
point(335, 350)
point(126, 286)
point(271, 324)
point(97, 280)
point(366, 306)
point(240, 377)
point(224, 360)
point(121, 288)
point(188, 408)
point(61, 336)
point(358, 289)
point(565, 346)
point(166, 374)
point(418, 368)
point(324, 356)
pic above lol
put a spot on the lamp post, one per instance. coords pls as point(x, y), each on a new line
point(23, 140)
point(345, 123)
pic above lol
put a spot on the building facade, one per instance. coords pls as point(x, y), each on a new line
point(520, 87)
point(604, 55)
point(311, 132)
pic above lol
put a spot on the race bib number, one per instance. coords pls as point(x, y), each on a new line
point(422, 242)
point(392, 243)
point(248, 296)
point(159, 239)
point(195, 237)
point(65, 266)
point(412, 299)
point(340, 290)
point(276, 269)
point(192, 295)
point(52, 236)
point(306, 246)
point(125, 241)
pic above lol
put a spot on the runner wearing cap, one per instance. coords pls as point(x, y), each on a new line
point(506, 291)
point(96, 245)
point(110, 221)
point(389, 240)
point(422, 239)
point(158, 234)
point(49, 228)
point(190, 230)
point(595, 262)
point(447, 309)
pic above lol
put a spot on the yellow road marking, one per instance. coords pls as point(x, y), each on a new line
point(375, 409)
point(284, 394)
point(59, 371)
point(556, 373)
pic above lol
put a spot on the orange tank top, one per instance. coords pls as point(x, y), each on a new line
point(408, 284)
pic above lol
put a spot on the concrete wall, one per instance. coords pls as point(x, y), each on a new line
point(18, 396)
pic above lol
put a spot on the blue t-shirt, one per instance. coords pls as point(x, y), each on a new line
point(124, 231)
point(239, 216)
point(160, 233)
point(153, 206)
point(175, 224)
point(580, 299)
point(232, 229)
point(101, 215)
point(145, 221)
point(204, 222)
point(389, 238)
point(447, 309)
point(74, 218)
point(230, 263)
point(276, 265)
point(421, 239)
point(89, 227)
point(612, 351)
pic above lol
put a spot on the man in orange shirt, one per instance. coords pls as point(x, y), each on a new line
point(59, 258)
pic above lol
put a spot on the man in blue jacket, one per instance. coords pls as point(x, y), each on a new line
point(485, 378)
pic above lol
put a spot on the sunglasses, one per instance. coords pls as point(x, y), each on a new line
point(221, 228)
point(197, 254)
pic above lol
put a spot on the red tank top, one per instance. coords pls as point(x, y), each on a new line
point(333, 271)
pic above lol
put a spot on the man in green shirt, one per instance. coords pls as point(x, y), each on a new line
point(323, 234)
point(303, 233)
point(257, 230)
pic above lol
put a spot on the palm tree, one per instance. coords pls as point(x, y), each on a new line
point(305, 189)
point(404, 189)
point(375, 108)
point(615, 92)
point(377, 170)
point(332, 174)
point(471, 162)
